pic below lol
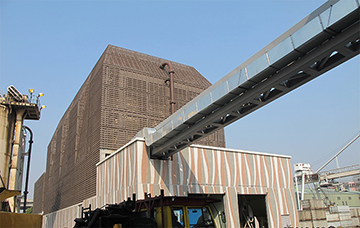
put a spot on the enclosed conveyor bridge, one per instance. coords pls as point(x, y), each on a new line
point(323, 40)
point(340, 173)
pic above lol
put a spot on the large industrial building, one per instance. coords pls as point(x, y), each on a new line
point(125, 92)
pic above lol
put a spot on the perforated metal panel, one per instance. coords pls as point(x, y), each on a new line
point(125, 92)
point(39, 194)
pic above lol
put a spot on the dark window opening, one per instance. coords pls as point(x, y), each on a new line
point(252, 210)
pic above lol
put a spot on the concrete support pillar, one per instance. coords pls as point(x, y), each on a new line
point(231, 207)
point(302, 189)
point(15, 178)
point(6, 124)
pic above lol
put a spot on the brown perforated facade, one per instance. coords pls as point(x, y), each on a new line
point(125, 92)
point(39, 194)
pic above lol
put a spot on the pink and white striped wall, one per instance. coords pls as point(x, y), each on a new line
point(203, 170)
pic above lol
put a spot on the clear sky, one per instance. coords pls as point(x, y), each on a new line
point(51, 46)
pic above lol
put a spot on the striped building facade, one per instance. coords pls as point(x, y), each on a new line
point(197, 170)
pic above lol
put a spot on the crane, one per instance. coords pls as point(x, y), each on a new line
point(305, 175)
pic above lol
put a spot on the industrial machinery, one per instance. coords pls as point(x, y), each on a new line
point(305, 175)
point(156, 212)
point(15, 108)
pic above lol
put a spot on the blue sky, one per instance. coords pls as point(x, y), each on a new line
point(52, 46)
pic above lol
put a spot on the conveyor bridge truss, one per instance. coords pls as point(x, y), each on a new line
point(323, 40)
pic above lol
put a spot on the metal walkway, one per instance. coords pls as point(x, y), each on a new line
point(323, 40)
point(340, 172)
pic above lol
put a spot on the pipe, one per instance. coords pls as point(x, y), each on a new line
point(28, 167)
point(171, 76)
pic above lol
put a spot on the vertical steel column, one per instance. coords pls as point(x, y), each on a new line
point(297, 193)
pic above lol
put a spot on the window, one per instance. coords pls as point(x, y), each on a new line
point(177, 217)
point(338, 197)
point(200, 217)
point(349, 197)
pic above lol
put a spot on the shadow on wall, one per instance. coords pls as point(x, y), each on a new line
point(178, 174)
